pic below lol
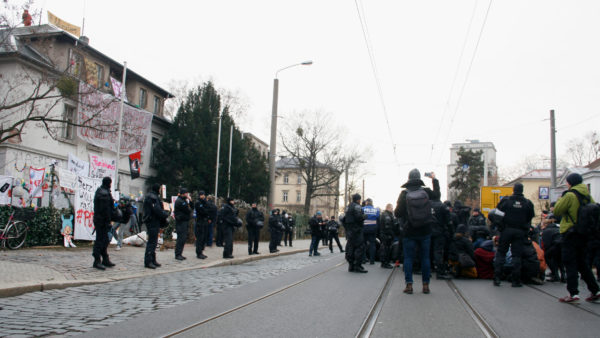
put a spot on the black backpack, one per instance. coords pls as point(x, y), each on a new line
point(419, 210)
point(588, 216)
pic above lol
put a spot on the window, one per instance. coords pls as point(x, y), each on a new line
point(153, 162)
point(143, 98)
point(156, 105)
point(298, 196)
point(285, 195)
point(100, 75)
point(68, 130)
point(75, 64)
point(286, 179)
point(300, 179)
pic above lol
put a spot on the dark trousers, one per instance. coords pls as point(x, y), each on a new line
point(150, 254)
point(515, 239)
point(553, 258)
point(200, 233)
point(324, 237)
point(332, 236)
point(227, 240)
point(386, 249)
point(287, 237)
point(182, 235)
point(253, 237)
point(209, 234)
point(355, 247)
point(594, 256)
point(219, 238)
point(275, 239)
point(438, 243)
point(371, 246)
point(574, 252)
point(100, 249)
point(314, 244)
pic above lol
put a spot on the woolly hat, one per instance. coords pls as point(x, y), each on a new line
point(356, 197)
point(462, 229)
point(106, 181)
point(518, 188)
point(574, 179)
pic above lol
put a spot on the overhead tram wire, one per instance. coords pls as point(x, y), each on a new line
point(455, 77)
point(365, 31)
point(462, 89)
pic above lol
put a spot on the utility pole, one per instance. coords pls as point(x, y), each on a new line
point(123, 90)
point(229, 170)
point(217, 165)
point(552, 150)
point(273, 144)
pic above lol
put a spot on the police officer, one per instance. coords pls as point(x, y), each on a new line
point(516, 222)
point(316, 223)
point(355, 242)
point(275, 227)
point(212, 218)
point(254, 222)
point(183, 213)
point(386, 230)
point(155, 218)
point(440, 231)
point(333, 233)
point(230, 221)
point(289, 230)
point(370, 228)
point(103, 206)
point(203, 221)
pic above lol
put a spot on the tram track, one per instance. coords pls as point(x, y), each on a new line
point(371, 319)
point(479, 319)
point(576, 305)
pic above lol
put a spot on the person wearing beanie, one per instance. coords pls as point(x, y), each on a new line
point(415, 209)
point(518, 212)
point(183, 214)
point(155, 218)
point(355, 241)
point(103, 206)
point(574, 244)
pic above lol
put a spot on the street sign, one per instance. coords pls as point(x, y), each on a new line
point(491, 196)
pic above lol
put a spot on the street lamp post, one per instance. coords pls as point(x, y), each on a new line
point(273, 145)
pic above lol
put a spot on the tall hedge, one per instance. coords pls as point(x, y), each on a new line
point(44, 228)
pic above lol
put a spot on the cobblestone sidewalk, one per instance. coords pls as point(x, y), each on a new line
point(29, 270)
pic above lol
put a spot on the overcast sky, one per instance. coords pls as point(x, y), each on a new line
point(533, 56)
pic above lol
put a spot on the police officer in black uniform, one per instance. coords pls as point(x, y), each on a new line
point(440, 231)
point(155, 218)
point(255, 220)
point(333, 228)
point(230, 221)
point(103, 206)
point(386, 230)
point(203, 221)
point(183, 213)
point(515, 226)
point(276, 228)
point(355, 245)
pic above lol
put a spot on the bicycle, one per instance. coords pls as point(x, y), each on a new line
point(14, 233)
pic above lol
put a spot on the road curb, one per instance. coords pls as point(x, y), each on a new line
point(40, 287)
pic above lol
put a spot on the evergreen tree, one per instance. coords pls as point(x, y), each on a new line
point(467, 175)
point(186, 155)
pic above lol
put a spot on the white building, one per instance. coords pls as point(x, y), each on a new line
point(41, 55)
point(488, 157)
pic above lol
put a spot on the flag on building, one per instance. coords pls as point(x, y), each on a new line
point(134, 164)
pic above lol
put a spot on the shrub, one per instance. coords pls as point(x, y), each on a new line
point(44, 228)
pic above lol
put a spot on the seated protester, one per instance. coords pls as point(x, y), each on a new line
point(530, 271)
point(462, 257)
point(484, 260)
point(479, 234)
point(552, 249)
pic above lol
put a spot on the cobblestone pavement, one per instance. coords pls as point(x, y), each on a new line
point(44, 268)
point(80, 309)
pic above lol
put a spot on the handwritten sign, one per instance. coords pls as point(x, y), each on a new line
point(77, 166)
point(68, 180)
point(99, 116)
point(101, 167)
point(84, 207)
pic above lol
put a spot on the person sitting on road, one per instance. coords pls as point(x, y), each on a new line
point(484, 260)
point(478, 228)
point(531, 266)
point(551, 244)
point(462, 257)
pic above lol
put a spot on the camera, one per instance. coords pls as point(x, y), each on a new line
point(428, 174)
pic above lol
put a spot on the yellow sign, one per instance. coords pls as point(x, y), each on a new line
point(56, 21)
point(491, 196)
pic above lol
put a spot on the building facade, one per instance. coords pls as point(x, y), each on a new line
point(488, 157)
point(290, 191)
point(32, 59)
point(259, 144)
point(536, 187)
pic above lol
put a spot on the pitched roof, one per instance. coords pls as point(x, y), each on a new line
point(594, 165)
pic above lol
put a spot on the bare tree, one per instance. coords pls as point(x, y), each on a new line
point(584, 150)
point(314, 143)
point(527, 164)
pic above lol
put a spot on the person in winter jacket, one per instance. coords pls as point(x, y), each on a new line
point(386, 231)
point(370, 228)
point(484, 260)
point(462, 256)
point(551, 243)
point(155, 218)
point(203, 221)
point(183, 214)
point(289, 228)
point(355, 241)
point(316, 223)
point(230, 221)
point(103, 205)
point(276, 228)
point(574, 245)
point(478, 228)
point(333, 233)
point(440, 233)
point(255, 220)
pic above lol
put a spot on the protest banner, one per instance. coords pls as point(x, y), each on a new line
point(68, 180)
point(98, 114)
point(62, 24)
point(117, 86)
point(134, 164)
point(101, 167)
point(84, 208)
point(5, 189)
point(77, 166)
point(36, 181)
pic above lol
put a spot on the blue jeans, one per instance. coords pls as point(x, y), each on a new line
point(409, 245)
point(314, 244)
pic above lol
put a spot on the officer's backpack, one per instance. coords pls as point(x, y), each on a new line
point(588, 216)
point(419, 208)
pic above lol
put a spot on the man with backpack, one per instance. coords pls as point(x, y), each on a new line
point(518, 212)
point(579, 223)
point(415, 211)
